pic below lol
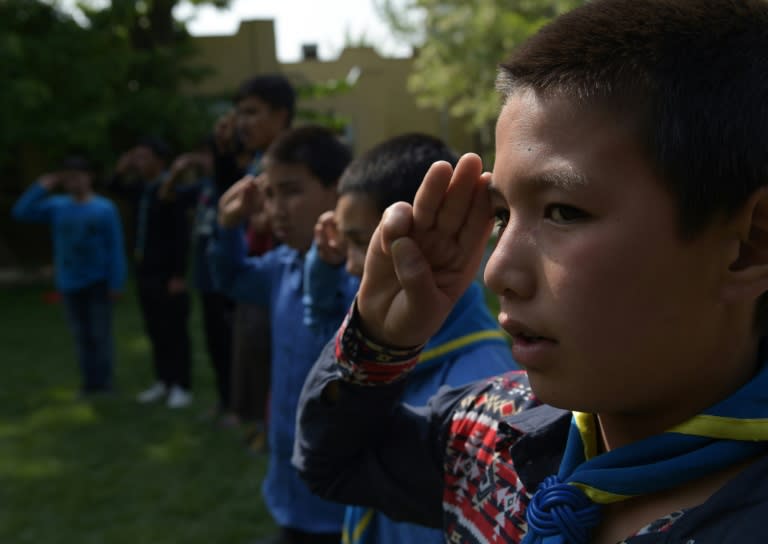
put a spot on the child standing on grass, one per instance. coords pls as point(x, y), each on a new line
point(89, 261)
point(469, 345)
point(302, 168)
point(630, 190)
point(264, 109)
point(160, 251)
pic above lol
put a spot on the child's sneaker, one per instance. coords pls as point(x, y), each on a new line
point(179, 398)
point(156, 392)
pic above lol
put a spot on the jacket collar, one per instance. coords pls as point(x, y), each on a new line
point(535, 439)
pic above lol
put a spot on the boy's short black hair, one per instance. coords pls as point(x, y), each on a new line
point(393, 170)
point(315, 147)
point(273, 89)
point(691, 77)
point(159, 147)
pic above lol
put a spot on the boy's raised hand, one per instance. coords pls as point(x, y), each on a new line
point(49, 181)
point(329, 245)
point(240, 201)
point(423, 257)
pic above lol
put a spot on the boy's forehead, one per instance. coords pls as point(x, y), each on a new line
point(250, 103)
point(563, 140)
point(280, 173)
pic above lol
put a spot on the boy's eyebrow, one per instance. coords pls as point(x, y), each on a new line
point(550, 179)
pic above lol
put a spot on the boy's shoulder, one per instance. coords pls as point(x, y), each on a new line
point(281, 261)
point(282, 254)
point(496, 399)
point(100, 201)
point(502, 442)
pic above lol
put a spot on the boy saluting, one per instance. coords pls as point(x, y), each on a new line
point(630, 189)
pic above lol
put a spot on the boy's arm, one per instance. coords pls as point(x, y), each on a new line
point(116, 246)
point(328, 289)
point(357, 444)
point(34, 205)
point(354, 442)
point(237, 276)
point(234, 273)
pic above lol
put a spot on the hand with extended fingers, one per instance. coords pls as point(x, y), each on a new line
point(330, 246)
point(423, 257)
point(50, 181)
point(241, 201)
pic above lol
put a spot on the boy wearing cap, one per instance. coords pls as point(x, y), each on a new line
point(89, 261)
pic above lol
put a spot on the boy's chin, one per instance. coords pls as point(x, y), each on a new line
point(558, 394)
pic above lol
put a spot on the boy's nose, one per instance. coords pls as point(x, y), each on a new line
point(510, 271)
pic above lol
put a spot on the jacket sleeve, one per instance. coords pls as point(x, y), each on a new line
point(34, 206)
point(362, 446)
point(328, 290)
point(242, 278)
point(116, 249)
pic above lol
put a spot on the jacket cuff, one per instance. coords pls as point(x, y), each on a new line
point(365, 362)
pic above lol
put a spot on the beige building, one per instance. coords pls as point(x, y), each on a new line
point(233, 58)
point(377, 107)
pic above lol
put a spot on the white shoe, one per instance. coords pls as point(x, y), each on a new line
point(156, 392)
point(179, 397)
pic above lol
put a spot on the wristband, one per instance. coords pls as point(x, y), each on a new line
point(365, 362)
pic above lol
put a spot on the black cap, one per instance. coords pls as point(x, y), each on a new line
point(158, 146)
point(77, 162)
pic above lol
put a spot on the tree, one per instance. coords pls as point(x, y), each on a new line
point(460, 44)
point(93, 86)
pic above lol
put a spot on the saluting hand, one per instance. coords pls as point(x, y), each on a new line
point(242, 200)
point(330, 246)
point(422, 257)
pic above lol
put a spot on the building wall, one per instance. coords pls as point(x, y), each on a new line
point(378, 107)
point(233, 58)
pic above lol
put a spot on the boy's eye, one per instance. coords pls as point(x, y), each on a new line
point(501, 216)
point(561, 213)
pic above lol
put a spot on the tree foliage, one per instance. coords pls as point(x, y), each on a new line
point(459, 46)
point(93, 86)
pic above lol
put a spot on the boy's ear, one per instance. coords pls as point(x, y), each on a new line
point(748, 271)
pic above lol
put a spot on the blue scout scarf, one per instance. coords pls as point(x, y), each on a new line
point(465, 329)
point(566, 508)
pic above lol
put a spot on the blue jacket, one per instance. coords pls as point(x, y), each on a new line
point(275, 280)
point(87, 237)
point(468, 347)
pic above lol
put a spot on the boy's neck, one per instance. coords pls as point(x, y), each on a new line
point(735, 370)
point(81, 198)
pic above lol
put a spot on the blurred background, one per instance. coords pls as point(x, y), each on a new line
point(91, 77)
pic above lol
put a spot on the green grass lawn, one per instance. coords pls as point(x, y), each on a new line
point(112, 471)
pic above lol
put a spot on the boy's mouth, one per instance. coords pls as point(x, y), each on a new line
point(528, 339)
point(521, 334)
